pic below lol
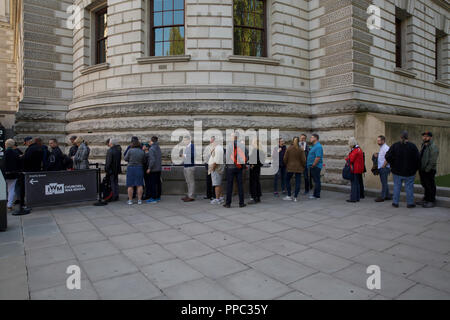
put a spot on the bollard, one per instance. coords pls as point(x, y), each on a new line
point(3, 204)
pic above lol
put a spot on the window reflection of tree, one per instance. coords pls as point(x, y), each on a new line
point(249, 27)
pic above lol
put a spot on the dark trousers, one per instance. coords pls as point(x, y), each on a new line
point(155, 185)
point(114, 179)
point(429, 185)
point(355, 193)
point(148, 186)
point(384, 175)
point(315, 176)
point(255, 183)
point(231, 174)
point(298, 177)
point(209, 187)
point(281, 174)
point(361, 186)
point(307, 184)
point(20, 185)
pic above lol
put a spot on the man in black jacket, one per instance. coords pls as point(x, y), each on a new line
point(55, 157)
point(33, 157)
point(403, 157)
point(113, 166)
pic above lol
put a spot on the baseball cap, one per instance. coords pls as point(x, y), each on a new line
point(26, 139)
point(427, 133)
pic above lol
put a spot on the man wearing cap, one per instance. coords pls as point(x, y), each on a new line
point(427, 171)
point(403, 157)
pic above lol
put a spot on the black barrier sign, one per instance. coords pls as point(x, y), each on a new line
point(58, 187)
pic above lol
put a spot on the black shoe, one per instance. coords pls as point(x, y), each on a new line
point(410, 206)
point(227, 206)
point(429, 205)
point(395, 205)
point(388, 198)
point(421, 202)
point(22, 212)
point(242, 205)
point(352, 201)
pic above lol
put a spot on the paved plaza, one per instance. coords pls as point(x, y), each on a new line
point(313, 249)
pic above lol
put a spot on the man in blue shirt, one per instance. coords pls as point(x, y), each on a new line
point(314, 163)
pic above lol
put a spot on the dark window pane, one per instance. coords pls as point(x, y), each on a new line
point(168, 5)
point(157, 5)
point(168, 18)
point(158, 34)
point(157, 19)
point(178, 17)
point(249, 27)
point(179, 4)
point(158, 49)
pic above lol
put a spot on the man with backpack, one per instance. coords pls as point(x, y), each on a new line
point(236, 159)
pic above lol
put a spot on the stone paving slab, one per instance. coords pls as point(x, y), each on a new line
point(312, 249)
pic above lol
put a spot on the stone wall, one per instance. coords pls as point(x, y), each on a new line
point(48, 69)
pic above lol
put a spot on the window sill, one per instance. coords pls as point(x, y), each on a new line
point(442, 83)
point(94, 68)
point(165, 59)
point(257, 60)
point(406, 73)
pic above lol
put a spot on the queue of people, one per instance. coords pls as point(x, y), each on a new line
point(403, 159)
point(144, 165)
point(38, 157)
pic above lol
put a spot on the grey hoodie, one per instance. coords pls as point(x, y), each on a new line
point(154, 158)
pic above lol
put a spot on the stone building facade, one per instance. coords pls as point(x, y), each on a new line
point(325, 69)
point(11, 60)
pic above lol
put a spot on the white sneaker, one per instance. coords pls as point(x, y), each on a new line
point(287, 198)
point(214, 201)
point(312, 197)
point(130, 202)
point(139, 202)
point(295, 199)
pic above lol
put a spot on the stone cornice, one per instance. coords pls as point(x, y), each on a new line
point(405, 72)
point(165, 59)
point(94, 68)
point(257, 60)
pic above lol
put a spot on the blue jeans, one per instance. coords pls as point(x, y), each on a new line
point(315, 175)
point(384, 175)
point(355, 194)
point(409, 188)
point(298, 177)
point(281, 174)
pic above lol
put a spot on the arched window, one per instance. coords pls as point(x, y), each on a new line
point(250, 27)
point(167, 27)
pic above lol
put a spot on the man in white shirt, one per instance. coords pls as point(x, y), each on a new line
point(216, 169)
point(384, 169)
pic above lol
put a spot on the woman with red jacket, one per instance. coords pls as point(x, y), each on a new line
point(356, 160)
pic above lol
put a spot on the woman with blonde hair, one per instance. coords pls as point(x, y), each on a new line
point(12, 169)
point(81, 157)
point(295, 161)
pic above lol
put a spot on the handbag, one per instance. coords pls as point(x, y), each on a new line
point(347, 171)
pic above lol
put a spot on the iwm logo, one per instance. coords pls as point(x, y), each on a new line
point(54, 188)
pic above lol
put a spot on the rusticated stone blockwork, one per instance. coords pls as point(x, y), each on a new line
point(325, 71)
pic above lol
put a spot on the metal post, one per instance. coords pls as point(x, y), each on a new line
point(3, 204)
